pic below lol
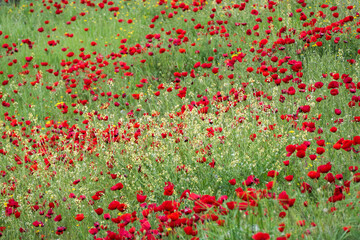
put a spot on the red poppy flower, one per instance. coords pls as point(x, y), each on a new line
point(337, 111)
point(93, 231)
point(249, 69)
point(305, 187)
point(325, 168)
point(231, 205)
point(320, 150)
point(301, 223)
point(269, 185)
point(117, 186)
point(253, 137)
point(189, 231)
point(168, 189)
point(261, 236)
point(254, 12)
point(113, 205)
point(313, 175)
point(243, 206)
point(58, 218)
point(353, 168)
point(215, 70)
point(305, 108)
point(79, 217)
point(272, 173)
point(330, 178)
point(136, 96)
point(282, 214)
point(70, 54)
point(99, 211)
point(232, 181)
point(141, 198)
point(301, 154)
point(356, 177)
point(333, 129)
point(334, 92)
point(289, 178)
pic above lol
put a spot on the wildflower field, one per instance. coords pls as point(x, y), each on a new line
point(180, 119)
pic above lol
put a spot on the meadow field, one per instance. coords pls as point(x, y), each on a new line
point(180, 119)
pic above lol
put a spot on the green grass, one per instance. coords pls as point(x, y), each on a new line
point(68, 145)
